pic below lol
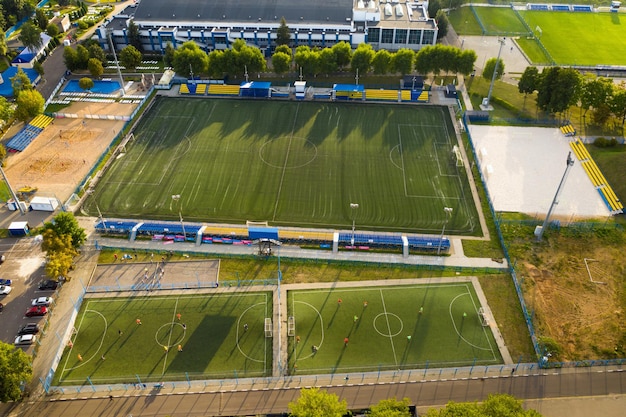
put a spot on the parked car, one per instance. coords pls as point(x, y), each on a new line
point(30, 328)
point(48, 285)
point(25, 339)
point(5, 289)
point(42, 301)
point(36, 311)
point(5, 281)
point(2, 259)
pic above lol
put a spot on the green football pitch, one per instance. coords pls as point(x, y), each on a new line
point(114, 348)
point(378, 322)
point(292, 164)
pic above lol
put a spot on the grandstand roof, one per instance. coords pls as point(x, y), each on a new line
point(268, 11)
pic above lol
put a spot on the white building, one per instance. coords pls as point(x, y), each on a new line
point(215, 24)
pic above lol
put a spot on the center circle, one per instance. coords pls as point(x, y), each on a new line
point(390, 325)
point(301, 152)
point(167, 333)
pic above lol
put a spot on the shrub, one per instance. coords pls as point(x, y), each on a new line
point(602, 142)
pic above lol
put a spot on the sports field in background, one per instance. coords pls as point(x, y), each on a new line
point(292, 163)
point(571, 38)
point(210, 331)
point(378, 339)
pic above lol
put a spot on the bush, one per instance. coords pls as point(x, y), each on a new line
point(82, 25)
point(605, 143)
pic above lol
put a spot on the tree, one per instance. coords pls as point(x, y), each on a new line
point(328, 61)
point(30, 36)
point(362, 58)
point(442, 23)
point(3, 22)
point(3, 154)
point(39, 68)
point(20, 82)
point(314, 402)
point(52, 30)
point(3, 43)
point(29, 104)
point(245, 57)
point(308, 60)
point(529, 81)
point(391, 408)
point(595, 92)
point(490, 67)
point(41, 19)
point(59, 265)
point(283, 34)
point(96, 52)
point(343, 54)
point(402, 61)
point(168, 55)
point(6, 109)
point(190, 57)
point(285, 49)
point(130, 57)
point(467, 59)
point(496, 405)
point(15, 369)
point(82, 54)
point(381, 63)
point(60, 253)
point(281, 62)
point(95, 67)
point(134, 37)
point(65, 223)
point(558, 89)
point(617, 103)
point(70, 57)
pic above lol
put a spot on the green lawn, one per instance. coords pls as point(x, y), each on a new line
point(581, 38)
point(210, 332)
point(292, 163)
point(611, 162)
point(439, 337)
point(500, 21)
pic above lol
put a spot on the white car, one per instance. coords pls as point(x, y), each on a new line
point(42, 301)
point(5, 289)
point(25, 339)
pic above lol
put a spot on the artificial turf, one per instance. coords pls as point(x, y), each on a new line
point(388, 332)
point(114, 348)
point(292, 163)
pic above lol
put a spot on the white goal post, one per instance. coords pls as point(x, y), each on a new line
point(457, 155)
point(268, 327)
point(251, 223)
point(484, 320)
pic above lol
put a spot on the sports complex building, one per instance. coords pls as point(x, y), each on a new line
point(215, 24)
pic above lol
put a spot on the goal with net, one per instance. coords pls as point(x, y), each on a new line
point(484, 320)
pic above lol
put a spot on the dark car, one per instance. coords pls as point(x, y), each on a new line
point(30, 328)
point(48, 285)
point(36, 311)
point(5, 282)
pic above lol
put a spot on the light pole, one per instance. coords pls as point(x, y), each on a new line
point(176, 197)
point(486, 105)
point(569, 164)
point(353, 206)
point(117, 64)
point(448, 211)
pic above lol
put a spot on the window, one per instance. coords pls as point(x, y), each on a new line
point(373, 35)
point(401, 36)
point(414, 37)
point(387, 36)
point(429, 37)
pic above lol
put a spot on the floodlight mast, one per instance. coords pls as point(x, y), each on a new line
point(555, 201)
point(495, 72)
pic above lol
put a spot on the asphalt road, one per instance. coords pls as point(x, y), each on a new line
point(577, 383)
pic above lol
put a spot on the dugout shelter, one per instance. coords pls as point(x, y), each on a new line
point(258, 89)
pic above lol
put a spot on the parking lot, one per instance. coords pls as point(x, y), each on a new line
point(24, 266)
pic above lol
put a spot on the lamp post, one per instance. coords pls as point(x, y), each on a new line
point(176, 197)
point(486, 102)
point(448, 211)
point(353, 206)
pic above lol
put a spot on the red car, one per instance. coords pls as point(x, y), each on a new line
point(36, 311)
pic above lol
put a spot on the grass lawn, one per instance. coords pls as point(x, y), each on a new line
point(295, 164)
point(464, 22)
point(580, 38)
point(611, 162)
point(500, 21)
point(210, 332)
point(379, 336)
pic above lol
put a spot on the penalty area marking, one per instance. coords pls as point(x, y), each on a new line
point(457, 330)
point(84, 362)
point(321, 326)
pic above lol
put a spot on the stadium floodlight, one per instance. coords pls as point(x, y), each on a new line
point(353, 206)
point(448, 211)
point(555, 201)
point(117, 64)
point(486, 101)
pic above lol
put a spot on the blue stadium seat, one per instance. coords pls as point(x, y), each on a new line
point(115, 226)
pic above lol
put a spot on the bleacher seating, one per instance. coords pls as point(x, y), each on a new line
point(561, 8)
point(223, 90)
point(170, 228)
point(406, 95)
point(582, 8)
point(201, 89)
point(24, 137)
point(115, 226)
point(184, 89)
point(568, 130)
point(382, 95)
point(537, 6)
point(597, 178)
point(41, 121)
point(423, 96)
point(429, 243)
point(370, 239)
point(305, 235)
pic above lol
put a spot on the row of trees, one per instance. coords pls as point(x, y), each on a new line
point(315, 61)
point(61, 239)
point(315, 402)
point(560, 88)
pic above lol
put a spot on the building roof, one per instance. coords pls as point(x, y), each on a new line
point(269, 11)
point(28, 54)
point(6, 89)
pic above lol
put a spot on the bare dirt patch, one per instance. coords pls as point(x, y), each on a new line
point(64, 153)
point(584, 317)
